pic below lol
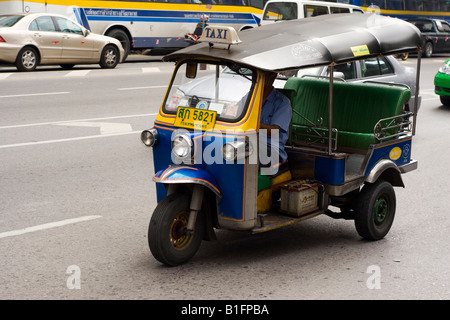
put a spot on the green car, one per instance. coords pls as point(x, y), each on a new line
point(442, 83)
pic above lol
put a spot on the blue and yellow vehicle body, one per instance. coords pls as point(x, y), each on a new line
point(236, 181)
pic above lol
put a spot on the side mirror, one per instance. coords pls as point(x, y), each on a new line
point(191, 70)
point(86, 32)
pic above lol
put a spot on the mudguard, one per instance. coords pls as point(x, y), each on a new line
point(186, 174)
point(389, 170)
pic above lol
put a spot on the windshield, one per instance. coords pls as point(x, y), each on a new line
point(218, 88)
point(9, 20)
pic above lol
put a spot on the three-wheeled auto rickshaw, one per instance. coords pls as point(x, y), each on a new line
point(348, 143)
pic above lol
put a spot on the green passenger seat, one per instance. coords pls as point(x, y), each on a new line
point(357, 107)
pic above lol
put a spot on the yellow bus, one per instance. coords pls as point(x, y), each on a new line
point(159, 25)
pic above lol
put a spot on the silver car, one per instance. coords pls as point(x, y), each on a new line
point(384, 69)
point(29, 40)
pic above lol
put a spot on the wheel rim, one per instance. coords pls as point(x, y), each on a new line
point(381, 210)
point(28, 59)
point(429, 49)
point(110, 57)
point(179, 238)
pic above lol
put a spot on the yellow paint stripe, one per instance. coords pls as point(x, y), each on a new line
point(410, 12)
point(148, 5)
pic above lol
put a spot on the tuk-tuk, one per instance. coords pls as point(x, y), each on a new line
point(348, 143)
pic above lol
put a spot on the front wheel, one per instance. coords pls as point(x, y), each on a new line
point(110, 57)
point(375, 210)
point(428, 51)
point(445, 100)
point(168, 239)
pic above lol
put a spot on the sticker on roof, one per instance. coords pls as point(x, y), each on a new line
point(360, 50)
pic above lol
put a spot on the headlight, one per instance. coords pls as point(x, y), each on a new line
point(445, 68)
point(236, 150)
point(182, 146)
point(149, 137)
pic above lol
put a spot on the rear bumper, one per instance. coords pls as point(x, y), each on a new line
point(8, 52)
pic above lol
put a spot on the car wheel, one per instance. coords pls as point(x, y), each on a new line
point(428, 51)
point(110, 57)
point(27, 59)
point(445, 100)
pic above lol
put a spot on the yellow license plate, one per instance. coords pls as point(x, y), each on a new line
point(197, 119)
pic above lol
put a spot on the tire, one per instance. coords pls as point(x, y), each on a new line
point(110, 57)
point(375, 210)
point(123, 38)
point(445, 100)
point(27, 59)
point(167, 239)
point(428, 50)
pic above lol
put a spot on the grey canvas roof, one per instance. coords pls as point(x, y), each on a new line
point(322, 40)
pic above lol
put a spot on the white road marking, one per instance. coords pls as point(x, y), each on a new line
point(77, 73)
point(33, 94)
point(47, 226)
point(151, 70)
point(140, 88)
point(4, 75)
point(105, 127)
point(62, 122)
point(34, 143)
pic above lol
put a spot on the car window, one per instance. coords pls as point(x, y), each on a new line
point(65, 25)
point(9, 20)
point(348, 69)
point(313, 10)
point(339, 10)
point(423, 26)
point(375, 67)
point(439, 26)
point(44, 23)
point(281, 11)
point(445, 27)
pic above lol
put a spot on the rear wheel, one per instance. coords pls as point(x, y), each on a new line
point(123, 38)
point(27, 59)
point(110, 57)
point(375, 210)
point(168, 239)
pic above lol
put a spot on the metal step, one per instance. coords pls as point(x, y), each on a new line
point(273, 220)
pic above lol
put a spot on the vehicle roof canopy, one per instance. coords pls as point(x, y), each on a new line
point(322, 40)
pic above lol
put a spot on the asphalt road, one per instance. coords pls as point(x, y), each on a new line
point(77, 196)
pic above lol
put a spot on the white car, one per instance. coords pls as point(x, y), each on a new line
point(29, 40)
point(384, 69)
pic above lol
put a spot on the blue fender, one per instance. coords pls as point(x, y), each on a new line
point(185, 174)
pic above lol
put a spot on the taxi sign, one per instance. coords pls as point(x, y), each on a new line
point(192, 118)
point(220, 34)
